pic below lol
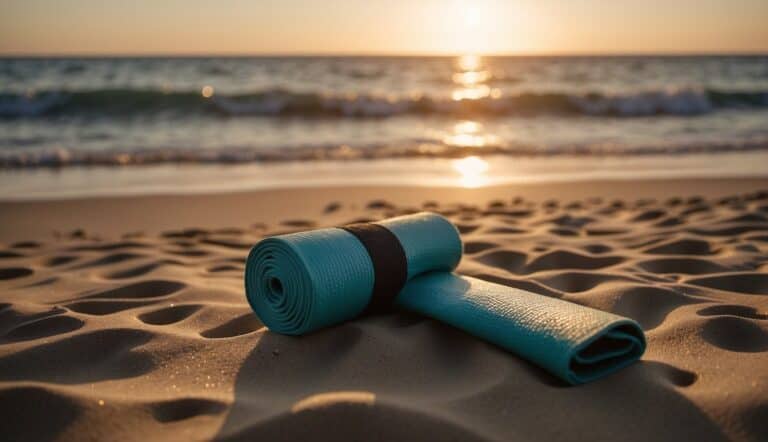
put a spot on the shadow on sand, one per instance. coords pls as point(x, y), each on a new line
point(399, 377)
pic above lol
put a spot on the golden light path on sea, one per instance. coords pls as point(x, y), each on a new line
point(469, 133)
point(471, 79)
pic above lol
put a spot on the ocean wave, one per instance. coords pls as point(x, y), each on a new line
point(62, 157)
point(280, 102)
point(485, 77)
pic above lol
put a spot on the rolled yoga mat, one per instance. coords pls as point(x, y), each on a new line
point(301, 282)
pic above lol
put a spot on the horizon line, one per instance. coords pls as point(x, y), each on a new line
point(662, 53)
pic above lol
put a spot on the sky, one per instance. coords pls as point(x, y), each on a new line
point(153, 27)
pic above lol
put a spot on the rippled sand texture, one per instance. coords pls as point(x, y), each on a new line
point(150, 338)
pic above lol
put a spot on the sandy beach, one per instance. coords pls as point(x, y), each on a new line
point(124, 318)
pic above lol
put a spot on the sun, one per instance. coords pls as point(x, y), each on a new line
point(469, 23)
point(471, 14)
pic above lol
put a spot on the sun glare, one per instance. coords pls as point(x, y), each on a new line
point(473, 14)
point(470, 23)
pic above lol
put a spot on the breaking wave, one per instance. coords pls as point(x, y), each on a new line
point(62, 157)
point(280, 102)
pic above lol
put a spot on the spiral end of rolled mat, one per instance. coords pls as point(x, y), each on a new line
point(278, 287)
point(300, 282)
point(607, 351)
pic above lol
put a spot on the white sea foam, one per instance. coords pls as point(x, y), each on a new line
point(672, 102)
point(61, 157)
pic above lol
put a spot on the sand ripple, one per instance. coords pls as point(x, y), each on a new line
point(155, 333)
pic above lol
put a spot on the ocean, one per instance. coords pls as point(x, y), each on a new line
point(60, 112)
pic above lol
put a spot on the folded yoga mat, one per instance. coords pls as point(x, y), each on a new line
point(301, 282)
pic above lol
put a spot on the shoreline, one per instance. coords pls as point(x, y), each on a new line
point(464, 172)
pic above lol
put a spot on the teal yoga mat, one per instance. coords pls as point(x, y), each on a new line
point(301, 282)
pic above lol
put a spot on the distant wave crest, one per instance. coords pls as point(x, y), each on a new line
point(280, 102)
point(62, 157)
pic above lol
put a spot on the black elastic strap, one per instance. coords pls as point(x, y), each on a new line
point(390, 267)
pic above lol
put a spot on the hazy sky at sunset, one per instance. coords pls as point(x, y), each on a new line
point(381, 26)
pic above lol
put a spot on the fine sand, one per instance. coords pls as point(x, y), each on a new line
point(125, 318)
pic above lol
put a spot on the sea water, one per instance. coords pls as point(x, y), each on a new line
point(267, 110)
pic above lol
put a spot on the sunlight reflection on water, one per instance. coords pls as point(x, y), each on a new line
point(470, 134)
point(472, 79)
point(472, 170)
